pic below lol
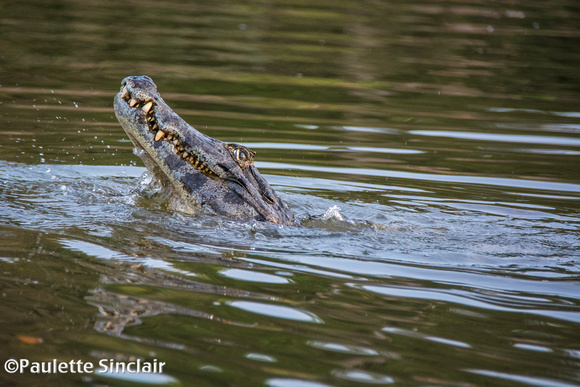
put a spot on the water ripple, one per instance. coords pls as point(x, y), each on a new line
point(279, 311)
point(544, 140)
point(494, 181)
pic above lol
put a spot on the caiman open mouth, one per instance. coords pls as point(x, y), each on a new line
point(173, 139)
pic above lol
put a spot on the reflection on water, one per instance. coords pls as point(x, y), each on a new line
point(429, 149)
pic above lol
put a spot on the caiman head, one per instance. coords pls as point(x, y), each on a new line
point(206, 173)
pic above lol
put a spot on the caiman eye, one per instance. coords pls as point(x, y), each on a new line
point(242, 155)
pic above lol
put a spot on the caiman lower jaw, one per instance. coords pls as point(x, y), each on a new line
point(182, 149)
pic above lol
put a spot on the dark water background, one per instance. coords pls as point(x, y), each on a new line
point(432, 150)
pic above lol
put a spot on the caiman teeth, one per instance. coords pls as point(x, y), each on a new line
point(160, 134)
point(125, 92)
point(147, 106)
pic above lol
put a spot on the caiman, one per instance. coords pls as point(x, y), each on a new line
point(208, 175)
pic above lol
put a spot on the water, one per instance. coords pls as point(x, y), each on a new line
point(431, 151)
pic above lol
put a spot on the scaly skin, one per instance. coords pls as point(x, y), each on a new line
point(207, 174)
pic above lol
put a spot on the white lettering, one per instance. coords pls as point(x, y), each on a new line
point(24, 364)
point(109, 366)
